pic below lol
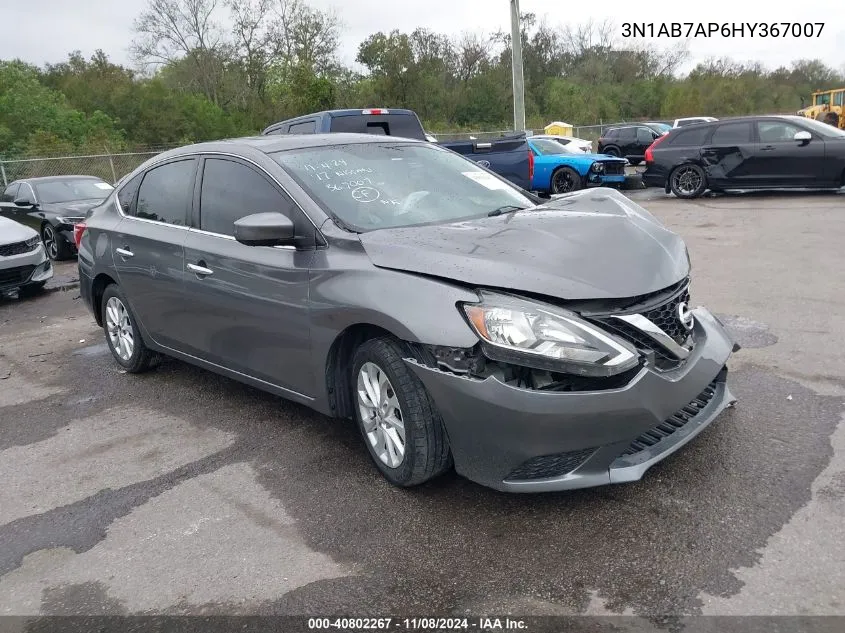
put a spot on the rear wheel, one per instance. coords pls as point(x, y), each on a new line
point(398, 421)
point(688, 181)
point(565, 179)
point(612, 151)
point(831, 118)
point(123, 335)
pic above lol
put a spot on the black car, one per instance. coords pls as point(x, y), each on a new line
point(760, 152)
point(628, 141)
point(51, 206)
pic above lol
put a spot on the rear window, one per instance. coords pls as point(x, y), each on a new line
point(306, 127)
point(404, 125)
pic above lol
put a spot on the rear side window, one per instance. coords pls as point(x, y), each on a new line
point(165, 193)
point(612, 133)
point(732, 134)
point(231, 191)
point(306, 127)
point(127, 193)
point(404, 125)
point(628, 133)
point(691, 138)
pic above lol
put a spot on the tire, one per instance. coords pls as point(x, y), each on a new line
point(565, 180)
point(688, 181)
point(612, 151)
point(831, 118)
point(56, 246)
point(30, 290)
point(426, 451)
point(139, 358)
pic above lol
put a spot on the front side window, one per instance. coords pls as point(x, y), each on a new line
point(644, 135)
point(165, 193)
point(823, 99)
point(231, 191)
point(369, 186)
point(776, 131)
point(72, 190)
point(25, 193)
point(11, 192)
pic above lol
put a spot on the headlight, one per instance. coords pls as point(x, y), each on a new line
point(545, 337)
point(597, 167)
point(67, 220)
point(33, 242)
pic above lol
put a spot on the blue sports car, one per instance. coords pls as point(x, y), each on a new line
point(557, 170)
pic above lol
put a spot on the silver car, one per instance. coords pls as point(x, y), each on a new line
point(23, 260)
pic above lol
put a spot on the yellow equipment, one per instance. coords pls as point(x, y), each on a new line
point(828, 107)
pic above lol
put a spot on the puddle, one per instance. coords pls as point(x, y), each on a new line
point(748, 333)
point(99, 349)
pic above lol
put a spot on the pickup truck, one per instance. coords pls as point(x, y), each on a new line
point(508, 156)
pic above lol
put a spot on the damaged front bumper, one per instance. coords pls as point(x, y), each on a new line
point(524, 440)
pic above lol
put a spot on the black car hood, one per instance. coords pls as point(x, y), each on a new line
point(77, 208)
point(593, 244)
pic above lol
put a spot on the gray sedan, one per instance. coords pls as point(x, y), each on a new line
point(460, 321)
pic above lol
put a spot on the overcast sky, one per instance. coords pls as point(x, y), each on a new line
point(40, 31)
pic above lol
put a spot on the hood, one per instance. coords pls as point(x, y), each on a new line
point(11, 232)
point(76, 208)
point(605, 158)
point(592, 244)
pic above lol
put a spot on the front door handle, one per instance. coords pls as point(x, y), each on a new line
point(124, 252)
point(200, 270)
point(768, 148)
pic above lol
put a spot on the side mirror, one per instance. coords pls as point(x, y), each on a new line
point(24, 202)
point(265, 229)
point(803, 136)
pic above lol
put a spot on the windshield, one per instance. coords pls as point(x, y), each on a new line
point(823, 99)
point(371, 186)
point(70, 190)
point(823, 129)
point(660, 127)
point(547, 147)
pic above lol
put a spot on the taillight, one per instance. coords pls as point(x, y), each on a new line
point(78, 230)
point(649, 155)
point(374, 111)
point(530, 165)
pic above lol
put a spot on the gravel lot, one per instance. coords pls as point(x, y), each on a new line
point(183, 492)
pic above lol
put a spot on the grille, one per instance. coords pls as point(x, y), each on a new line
point(666, 317)
point(662, 359)
point(614, 169)
point(550, 465)
point(18, 248)
point(678, 420)
point(15, 276)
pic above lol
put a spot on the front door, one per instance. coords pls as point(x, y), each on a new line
point(148, 247)
point(781, 161)
point(249, 303)
point(25, 214)
point(727, 155)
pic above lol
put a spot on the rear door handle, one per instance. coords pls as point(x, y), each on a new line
point(200, 270)
point(124, 252)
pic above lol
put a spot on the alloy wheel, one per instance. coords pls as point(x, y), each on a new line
point(687, 180)
point(563, 182)
point(119, 328)
point(50, 243)
point(381, 415)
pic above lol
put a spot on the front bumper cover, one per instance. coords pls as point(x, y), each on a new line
point(495, 428)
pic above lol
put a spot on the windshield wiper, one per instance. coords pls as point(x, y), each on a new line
point(508, 208)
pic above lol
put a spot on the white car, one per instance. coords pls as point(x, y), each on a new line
point(575, 145)
point(693, 119)
point(23, 261)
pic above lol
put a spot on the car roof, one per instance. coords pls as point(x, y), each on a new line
point(38, 179)
point(283, 142)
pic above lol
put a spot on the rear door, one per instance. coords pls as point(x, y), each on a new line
point(148, 247)
point(781, 161)
point(248, 304)
point(728, 153)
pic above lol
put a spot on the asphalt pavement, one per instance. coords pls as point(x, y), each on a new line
point(181, 492)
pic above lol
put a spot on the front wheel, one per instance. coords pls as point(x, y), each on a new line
point(400, 424)
point(565, 180)
point(688, 181)
point(55, 244)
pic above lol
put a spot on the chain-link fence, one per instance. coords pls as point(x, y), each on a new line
point(111, 167)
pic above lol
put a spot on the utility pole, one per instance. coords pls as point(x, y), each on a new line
point(518, 81)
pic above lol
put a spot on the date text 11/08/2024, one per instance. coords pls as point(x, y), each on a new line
point(722, 29)
point(418, 624)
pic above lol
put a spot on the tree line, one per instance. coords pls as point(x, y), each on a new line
point(207, 69)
